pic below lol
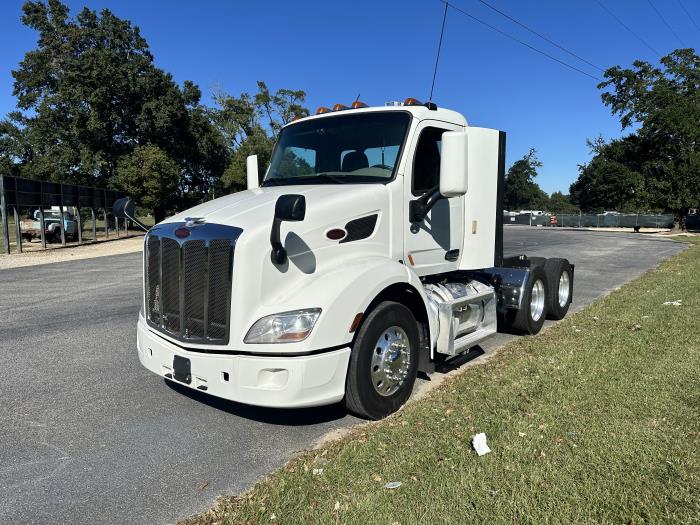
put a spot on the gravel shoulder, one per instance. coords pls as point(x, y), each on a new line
point(133, 243)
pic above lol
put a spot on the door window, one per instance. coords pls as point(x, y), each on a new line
point(426, 163)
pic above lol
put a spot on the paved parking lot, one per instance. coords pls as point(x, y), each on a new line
point(88, 436)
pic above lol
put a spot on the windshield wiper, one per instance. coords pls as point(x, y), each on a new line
point(327, 176)
point(283, 181)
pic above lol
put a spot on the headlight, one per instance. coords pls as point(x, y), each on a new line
point(287, 327)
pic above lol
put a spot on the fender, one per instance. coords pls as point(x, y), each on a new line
point(342, 293)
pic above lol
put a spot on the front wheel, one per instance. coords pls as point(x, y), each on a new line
point(384, 362)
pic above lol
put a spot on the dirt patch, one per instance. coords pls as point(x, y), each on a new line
point(130, 244)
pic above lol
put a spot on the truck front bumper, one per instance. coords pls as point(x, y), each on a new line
point(271, 381)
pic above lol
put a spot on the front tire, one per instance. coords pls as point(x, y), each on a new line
point(384, 362)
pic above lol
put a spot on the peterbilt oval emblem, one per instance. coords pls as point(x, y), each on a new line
point(181, 233)
point(194, 221)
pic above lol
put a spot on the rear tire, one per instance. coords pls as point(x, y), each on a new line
point(529, 318)
point(383, 363)
point(561, 282)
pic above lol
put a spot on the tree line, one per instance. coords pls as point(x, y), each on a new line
point(93, 109)
point(654, 168)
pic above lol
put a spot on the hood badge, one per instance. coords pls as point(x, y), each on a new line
point(194, 221)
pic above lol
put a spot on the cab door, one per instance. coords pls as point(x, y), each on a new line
point(433, 245)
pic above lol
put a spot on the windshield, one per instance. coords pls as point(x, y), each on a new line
point(339, 149)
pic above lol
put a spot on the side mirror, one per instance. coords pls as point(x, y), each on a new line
point(287, 208)
point(123, 208)
point(453, 164)
point(453, 175)
point(251, 165)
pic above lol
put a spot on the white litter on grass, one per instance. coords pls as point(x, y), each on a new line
point(479, 444)
point(392, 485)
point(677, 302)
point(317, 471)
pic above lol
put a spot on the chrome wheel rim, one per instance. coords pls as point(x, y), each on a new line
point(563, 289)
point(537, 300)
point(391, 359)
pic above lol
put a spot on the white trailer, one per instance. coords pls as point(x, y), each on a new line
point(371, 249)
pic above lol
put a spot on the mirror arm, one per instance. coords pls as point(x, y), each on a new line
point(419, 208)
point(137, 222)
point(279, 254)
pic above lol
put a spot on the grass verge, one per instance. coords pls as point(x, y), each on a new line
point(596, 420)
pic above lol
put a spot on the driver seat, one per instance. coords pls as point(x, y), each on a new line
point(354, 160)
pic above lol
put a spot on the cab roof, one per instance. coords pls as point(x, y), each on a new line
point(420, 112)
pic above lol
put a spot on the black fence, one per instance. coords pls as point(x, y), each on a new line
point(601, 220)
point(19, 194)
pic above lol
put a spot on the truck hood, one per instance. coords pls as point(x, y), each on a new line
point(251, 208)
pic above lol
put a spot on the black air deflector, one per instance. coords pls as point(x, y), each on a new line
point(361, 228)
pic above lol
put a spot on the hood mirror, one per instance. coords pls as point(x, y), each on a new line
point(124, 209)
point(290, 208)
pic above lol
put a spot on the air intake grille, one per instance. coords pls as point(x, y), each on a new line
point(188, 282)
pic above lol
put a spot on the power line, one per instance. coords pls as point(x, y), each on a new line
point(627, 28)
point(507, 35)
point(540, 35)
point(437, 58)
point(665, 22)
point(689, 16)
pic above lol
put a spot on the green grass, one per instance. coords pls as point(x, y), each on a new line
point(596, 420)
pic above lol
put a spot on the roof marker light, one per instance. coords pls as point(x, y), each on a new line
point(339, 107)
point(322, 110)
point(359, 104)
point(410, 101)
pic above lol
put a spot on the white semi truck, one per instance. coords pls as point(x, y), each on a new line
point(371, 249)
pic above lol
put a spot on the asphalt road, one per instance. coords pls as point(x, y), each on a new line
point(88, 436)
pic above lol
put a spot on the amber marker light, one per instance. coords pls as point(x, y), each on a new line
point(339, 107)
point(359, 104)
point(356, 322)
point(322, 110)
point(410, 101)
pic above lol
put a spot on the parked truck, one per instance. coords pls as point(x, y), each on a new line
point(31, 228)
point(371, 249)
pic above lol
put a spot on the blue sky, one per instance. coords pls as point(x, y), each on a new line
point(385, 50)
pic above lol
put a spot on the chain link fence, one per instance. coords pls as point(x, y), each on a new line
point(593, 220)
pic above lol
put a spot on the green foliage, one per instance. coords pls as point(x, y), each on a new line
point(658, 166)
point(521, 192)
point(89, 94)
point(250, 125)
point(560, 203)
point(150, 176)
point(613, 179)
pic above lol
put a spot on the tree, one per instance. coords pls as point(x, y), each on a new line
point(520, 189)
point(560, 203)
point(89, 94)
point(250, 125)
point(613, 179)
point(150, 176)
point(661, 160)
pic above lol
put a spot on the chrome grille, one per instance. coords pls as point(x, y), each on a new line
point(188, 281)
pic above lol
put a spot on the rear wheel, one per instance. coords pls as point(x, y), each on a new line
point(529, 318)
point(561, 281)
point(384, 362)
